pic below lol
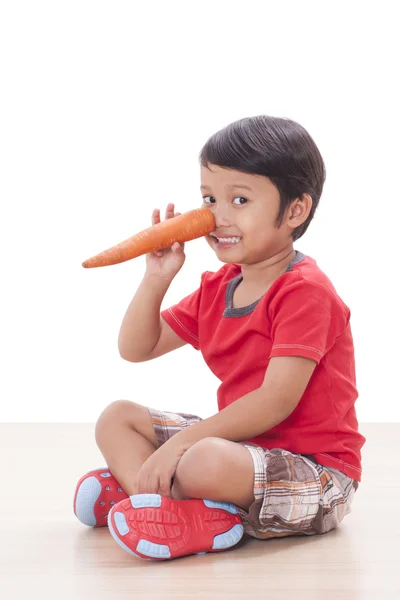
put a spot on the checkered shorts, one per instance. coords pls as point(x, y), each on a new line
point(293, 495)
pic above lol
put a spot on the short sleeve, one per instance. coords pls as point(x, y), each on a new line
point(306, 318)
point(183, 317)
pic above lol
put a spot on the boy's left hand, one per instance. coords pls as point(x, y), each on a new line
point(156, 473)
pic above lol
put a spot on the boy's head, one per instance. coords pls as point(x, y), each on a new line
point(282, 165)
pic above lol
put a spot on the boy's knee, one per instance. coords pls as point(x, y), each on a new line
point(118, 412)
point(198, 466)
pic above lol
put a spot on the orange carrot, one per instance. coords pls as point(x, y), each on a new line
point(189, 226)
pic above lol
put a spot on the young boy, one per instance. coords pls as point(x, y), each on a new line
point(282, 455)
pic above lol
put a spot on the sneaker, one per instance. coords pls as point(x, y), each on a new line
point(95, 494)
point(151, 526)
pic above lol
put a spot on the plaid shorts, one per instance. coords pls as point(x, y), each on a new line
point(293, 495)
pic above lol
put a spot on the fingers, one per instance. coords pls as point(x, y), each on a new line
point(170, 211)
point(177, 247)
point(149, 485)
point(155, 216)
point(154, 484)
point(165, 489)
point(169, 214)
point(141, 484)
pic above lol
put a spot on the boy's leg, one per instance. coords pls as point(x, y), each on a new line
point(212, 480)
point(293, 495)
point(125, 436)
point(216, 469)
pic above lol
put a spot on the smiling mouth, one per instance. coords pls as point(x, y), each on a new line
point(225, 242)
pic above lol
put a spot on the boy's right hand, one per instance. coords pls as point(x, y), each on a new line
point(165, 263)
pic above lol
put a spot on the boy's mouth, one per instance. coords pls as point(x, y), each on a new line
point(224, 241)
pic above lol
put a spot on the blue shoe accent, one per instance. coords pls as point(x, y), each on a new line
point(228, 539)
point(120, 523)
point(223, 505)
point(105, 475)
point(146, 500)
point(153, 550)
point(116, 538)
point(86, 498)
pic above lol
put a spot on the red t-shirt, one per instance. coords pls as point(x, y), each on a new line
point(300, 315)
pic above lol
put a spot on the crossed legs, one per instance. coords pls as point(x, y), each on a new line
point(213, 468)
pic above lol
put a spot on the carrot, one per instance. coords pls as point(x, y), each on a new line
point(189, 226)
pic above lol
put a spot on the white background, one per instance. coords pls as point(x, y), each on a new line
point(104, 109)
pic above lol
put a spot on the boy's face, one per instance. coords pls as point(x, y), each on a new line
point(244, 206)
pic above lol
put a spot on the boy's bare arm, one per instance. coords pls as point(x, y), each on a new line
point(258, 411)
point(141, 326)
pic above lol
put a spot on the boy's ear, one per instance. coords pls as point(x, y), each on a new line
point(299, 210)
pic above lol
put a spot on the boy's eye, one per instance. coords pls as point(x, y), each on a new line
point(212, 200)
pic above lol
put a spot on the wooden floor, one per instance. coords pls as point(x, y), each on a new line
point(46, 553)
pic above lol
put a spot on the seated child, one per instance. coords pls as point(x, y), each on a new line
point(281, 456)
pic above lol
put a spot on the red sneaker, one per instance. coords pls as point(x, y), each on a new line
point(95, 494)
point(154, 527)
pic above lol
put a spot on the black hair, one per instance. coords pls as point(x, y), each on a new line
point(277, 148)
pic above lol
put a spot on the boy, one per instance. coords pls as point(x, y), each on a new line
point(282, 455)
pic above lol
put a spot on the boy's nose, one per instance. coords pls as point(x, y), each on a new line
point(221, 216)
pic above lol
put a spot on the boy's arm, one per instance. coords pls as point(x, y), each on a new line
point(144, 334)
point(258, 411)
